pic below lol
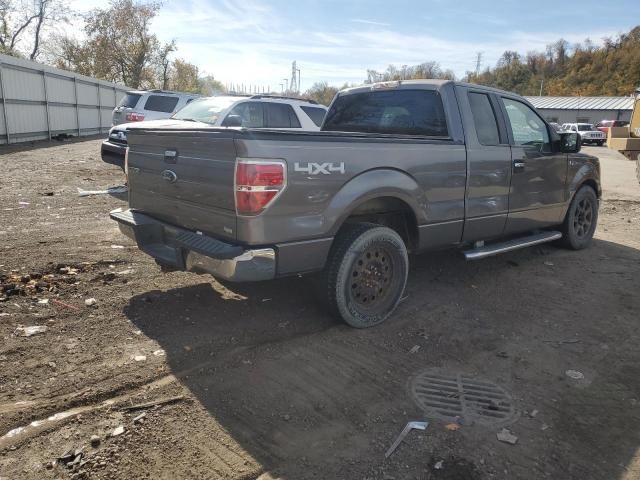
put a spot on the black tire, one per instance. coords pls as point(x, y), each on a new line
point(581, 219)
point(377, 257)
point(600, 143)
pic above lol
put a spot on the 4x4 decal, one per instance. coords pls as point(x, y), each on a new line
point(318, 168)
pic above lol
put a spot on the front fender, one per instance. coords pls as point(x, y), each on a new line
point(583, 168)
point(372, 184)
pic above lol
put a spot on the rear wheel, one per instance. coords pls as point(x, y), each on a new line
point(581, 219)
point(366, 274)
point(600, 143)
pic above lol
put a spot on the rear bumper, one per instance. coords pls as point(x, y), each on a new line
point(113, 153)
point(182, 249)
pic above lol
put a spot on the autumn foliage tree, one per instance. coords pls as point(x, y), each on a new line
point(564, 70)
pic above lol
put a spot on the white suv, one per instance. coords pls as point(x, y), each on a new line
point(140, 105)
point(257, 111)
point(588, 133)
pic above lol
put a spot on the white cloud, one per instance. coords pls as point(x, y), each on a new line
point(370, 22)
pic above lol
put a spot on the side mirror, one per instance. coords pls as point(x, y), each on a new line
point(232, 121)
point(569, 142)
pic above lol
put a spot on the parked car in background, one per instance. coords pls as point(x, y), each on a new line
point(604, 125)
point(140, 105)
point(588, 133)
point(255, 111)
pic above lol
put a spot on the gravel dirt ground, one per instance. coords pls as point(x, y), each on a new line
point(213, 381)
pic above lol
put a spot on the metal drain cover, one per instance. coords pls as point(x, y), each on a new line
point(449, 396)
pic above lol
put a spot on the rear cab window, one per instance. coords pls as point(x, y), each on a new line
point(315, 114)
point(130, 100)
point(484, 119)
point(161, 103)
point(399, 111)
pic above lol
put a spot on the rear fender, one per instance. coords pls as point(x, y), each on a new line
point(375, 184)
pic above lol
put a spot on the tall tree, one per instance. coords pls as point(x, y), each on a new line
point(119, 46)
point(23, 22)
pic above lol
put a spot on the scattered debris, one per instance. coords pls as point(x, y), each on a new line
point(111, 190)
point(163, 401)
point(544, 427)
point(29, 331)
point(5, 314)
point(576, 375)
point(90, 302)
point(125, 272)
point(159, 353)
point(439, 465)
point(549, 264)
point(452, 427)
point(286, 417)
point(502, 355)
point(140, 418)
point(117, 246)
point(71, 458)
point(534, 414)
point(506, 436)
point(414, 349)
point(140, 358)
point(95, 441)
point(65, 305)
point(118, 431)
point(410, 426)
point(43, 301)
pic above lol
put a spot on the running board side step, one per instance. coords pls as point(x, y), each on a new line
point(515, 244)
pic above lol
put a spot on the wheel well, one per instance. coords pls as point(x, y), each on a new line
point(591, 183)
point(390, 212)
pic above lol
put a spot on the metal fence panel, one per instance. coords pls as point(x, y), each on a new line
point(38, 102)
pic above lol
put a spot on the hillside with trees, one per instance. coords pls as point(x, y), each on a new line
point(612, 69)
point(583, 69)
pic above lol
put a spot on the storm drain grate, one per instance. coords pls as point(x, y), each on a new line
point(450, 396)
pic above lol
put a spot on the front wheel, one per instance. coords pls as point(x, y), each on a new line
point(366, 274)
point(600, 143)
point(581, 219)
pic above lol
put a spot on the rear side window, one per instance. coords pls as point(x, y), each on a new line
point(251, 113)
point(403, 112)
point(484, 119)
point(281, 115)
point(161, 103)
point(315, 114)
point(129, 100)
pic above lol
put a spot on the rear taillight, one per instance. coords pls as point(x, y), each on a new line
point(258, 183)
point(134, 117)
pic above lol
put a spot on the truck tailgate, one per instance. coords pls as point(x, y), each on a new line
point(185, 178)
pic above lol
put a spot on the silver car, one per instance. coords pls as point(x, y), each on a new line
point(140, 105)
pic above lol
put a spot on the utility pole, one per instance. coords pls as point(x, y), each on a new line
point(478, 63)
point(286, 82)
point(293, 85)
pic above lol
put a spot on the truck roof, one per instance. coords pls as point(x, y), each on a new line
point(437, 83)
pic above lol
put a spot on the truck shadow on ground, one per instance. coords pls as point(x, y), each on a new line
point(308, 397)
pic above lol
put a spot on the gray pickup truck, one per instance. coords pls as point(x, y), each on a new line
point(397, 168)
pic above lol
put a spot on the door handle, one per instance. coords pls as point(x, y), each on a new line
point(519, 164)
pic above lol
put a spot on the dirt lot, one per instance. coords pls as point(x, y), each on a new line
point(257, 381)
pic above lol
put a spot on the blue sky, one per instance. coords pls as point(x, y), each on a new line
point(254, 42)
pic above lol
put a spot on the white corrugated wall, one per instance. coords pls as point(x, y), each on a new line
point(38, 102)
